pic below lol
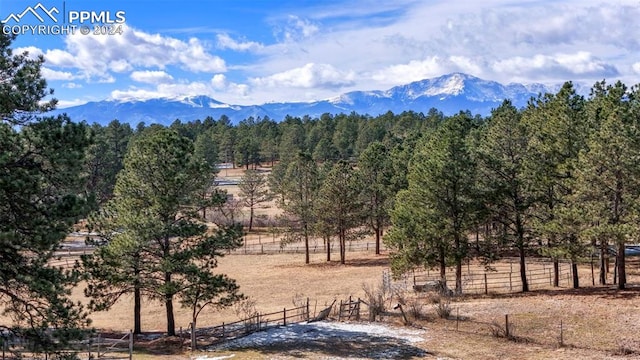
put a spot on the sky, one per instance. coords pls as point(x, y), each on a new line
point(253, 52)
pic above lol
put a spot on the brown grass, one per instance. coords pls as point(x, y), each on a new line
point(271, 280)
point(598, 322)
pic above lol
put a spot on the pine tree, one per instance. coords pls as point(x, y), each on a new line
point(253, 191)
point(558, 132)
point(297, 186)
point(607, 180)
point(375, 171)
point(40, 199)
point(444, 197)
point(339, 206)
point(502, 155)
point(156, 209)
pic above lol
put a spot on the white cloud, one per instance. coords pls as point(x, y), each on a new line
point(218, 88)
point(52, 75)
point(72, 85)
point(295, 29)
point(95, 56)
point(68, 103)
point(412, 71)
point(308, 76)
point(219, 81)
point(33, 51)
point(322, 50)
point(580, 64)
point(120, 66)
point(151, 77)
point(226, 42)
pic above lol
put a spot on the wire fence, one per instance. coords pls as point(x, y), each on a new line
point(505, 278)
point(298, 248)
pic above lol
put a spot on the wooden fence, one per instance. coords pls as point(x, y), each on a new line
point(101, 346)
point(349, 310)
point(258, 322)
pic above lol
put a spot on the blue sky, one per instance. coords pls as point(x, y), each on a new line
point(253, 52)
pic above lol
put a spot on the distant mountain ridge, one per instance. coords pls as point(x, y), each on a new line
point(448, 93)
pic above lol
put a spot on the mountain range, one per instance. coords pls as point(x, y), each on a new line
point(448, 93)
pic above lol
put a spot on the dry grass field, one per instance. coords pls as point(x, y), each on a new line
point(595, 322)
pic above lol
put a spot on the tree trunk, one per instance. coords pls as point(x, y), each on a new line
point(306, 245)
point(378, 230)
point(556, 273)
point(328, 241)
point(171, 323)
point(603, 265)
point(168, 302)
point(523, 270)
point(443, 267)
point(458, 264)
point(574, 271)
point(343, 246)
point(251, 217)
point(622, 274)
point(137, 310)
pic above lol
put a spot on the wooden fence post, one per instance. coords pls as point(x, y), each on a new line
point(284, 317)
point(194, 343)
point(307, 309)
point(130, 344)
point(99, 341)
point(561, 334)
point(506, 325)
point(486, 286)
point(510, 283)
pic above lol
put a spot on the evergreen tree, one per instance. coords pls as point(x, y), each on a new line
point(297, 186)
point(40, 199)
point(339, 206)
point(442, 186)
point(105, 158)
point(156, 207)
point(608, 172)
point(502, 154)
point(253, 191)
point(375, 169)
point(558, 132)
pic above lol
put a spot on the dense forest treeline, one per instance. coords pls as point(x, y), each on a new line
point(556, 178)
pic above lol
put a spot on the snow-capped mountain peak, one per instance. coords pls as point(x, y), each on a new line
point(448, 93)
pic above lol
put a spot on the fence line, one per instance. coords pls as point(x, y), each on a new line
point(258, 322)
point(539, 275)
point(275, 248)
point(99, 346)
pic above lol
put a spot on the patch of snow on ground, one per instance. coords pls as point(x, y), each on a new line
point(360, 339)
